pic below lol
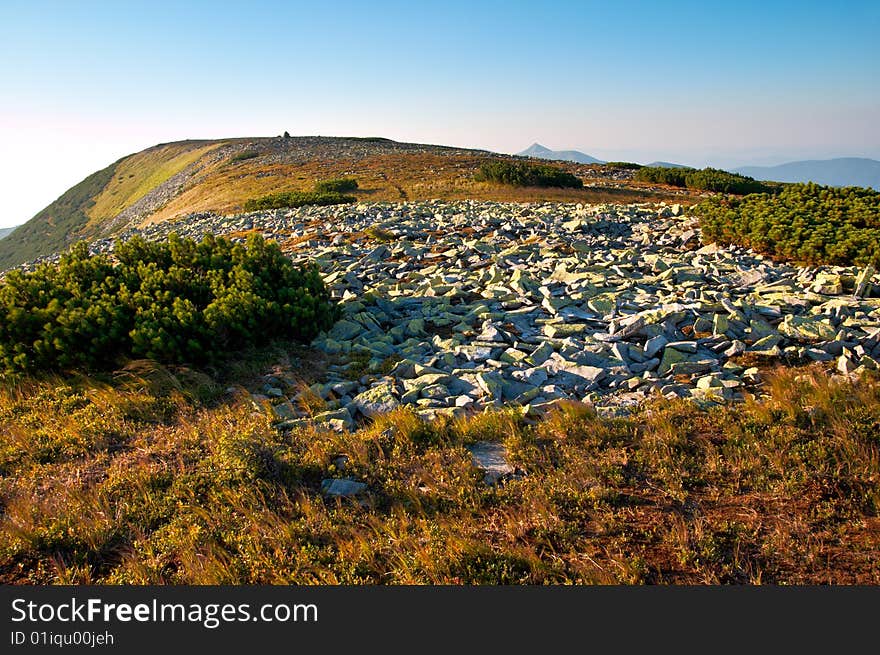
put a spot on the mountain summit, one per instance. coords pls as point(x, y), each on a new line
point(172, 181)
point(542, 152)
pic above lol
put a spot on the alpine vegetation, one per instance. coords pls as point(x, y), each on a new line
point(175, 301)
point(523, 174)
point(805, 222)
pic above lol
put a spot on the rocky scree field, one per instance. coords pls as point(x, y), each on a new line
point(452, 307)
point(641, 424)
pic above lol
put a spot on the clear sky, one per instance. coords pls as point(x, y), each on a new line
point(723, 83)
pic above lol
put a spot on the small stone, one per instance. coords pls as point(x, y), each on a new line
point(654, 345)
point(376, 400)
point(342, 487)
point(540, 355)
point(845, 365)
point(670, 356)
point(491, 458)
point(806, 328)
point(284, 411)
point(340, 416)
point(683, 346)
point(562, 330)
point(345, 330)
point(863, 282)
point(708, 382)
point(736, 348)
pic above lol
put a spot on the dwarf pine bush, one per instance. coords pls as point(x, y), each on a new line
point(524, 174)
point(805, 222)
point(176, 301)
point(707, 179)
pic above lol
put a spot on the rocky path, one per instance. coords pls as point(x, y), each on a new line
point(450, 307)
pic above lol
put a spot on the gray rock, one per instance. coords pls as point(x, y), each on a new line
point(284, 411)
point(376, 400)
point(655, 344)
point(863, 282)
point(345, 330)
point(528, 293)
point(491, 458)
point(341, 417)
point(342, 487)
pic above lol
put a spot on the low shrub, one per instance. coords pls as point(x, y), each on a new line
point(627, 165)
point(174, 302)
point(707, 179)
point(243, 156)
point(293, 199)
point(808, 223)
point(525, 174)
point(338, 185)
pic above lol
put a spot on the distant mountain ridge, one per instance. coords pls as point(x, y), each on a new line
point(542, 152)
point(5, 230)
point(666, 164)
point(842, 171)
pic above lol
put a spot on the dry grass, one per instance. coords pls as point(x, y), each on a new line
point(156, 477)
point(139, 174)
point(394, 177)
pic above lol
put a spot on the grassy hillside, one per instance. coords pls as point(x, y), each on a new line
point(175, 179)
point(4, 231)
point(138, 174)
point(53, 228)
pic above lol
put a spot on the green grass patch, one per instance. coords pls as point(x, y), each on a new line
point(244, 156)
point(293, 199)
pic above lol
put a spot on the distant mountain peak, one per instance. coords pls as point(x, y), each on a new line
point(537, 148)
point(543, 152)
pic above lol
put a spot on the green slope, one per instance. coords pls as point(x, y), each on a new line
point(82, 211)
point(50, 230)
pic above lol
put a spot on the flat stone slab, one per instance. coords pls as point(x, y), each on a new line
point(342, 487)
point(491, 458)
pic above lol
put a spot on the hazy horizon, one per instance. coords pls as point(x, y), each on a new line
point(747, 84)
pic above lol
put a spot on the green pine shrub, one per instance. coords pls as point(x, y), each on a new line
point(293, 199)
point(524, 174)
point(707, 179)
point(338, 185)
point(807, 223)
point(174, 302)
point(626, 165)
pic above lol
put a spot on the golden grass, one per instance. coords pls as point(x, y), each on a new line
point(139, 174)
point(391, 178)
point(152, 479)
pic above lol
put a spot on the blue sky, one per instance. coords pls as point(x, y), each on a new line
point(84, 83)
